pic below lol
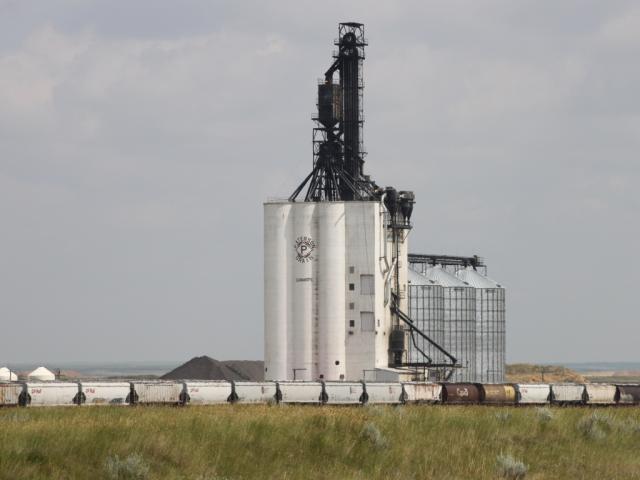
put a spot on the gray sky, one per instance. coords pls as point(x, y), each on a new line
point(138, 141)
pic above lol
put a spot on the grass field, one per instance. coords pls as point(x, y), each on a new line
point(287, 442)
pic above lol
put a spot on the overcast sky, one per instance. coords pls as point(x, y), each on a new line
point(138, 141)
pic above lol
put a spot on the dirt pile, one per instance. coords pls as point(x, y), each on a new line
point(207, 368)
point(526, 372)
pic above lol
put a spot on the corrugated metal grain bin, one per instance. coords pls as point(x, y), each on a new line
point(156, 392)
point(300, 392)
point(460, 393)
point(566, 393)
point(105, 393)
point(532, 393)
point(421, 392)
point(600, 394)
point(628, 394)
point(207, 393)
point(10, 393)
point(497, 393)
point(343, 393)
point(388, 393)
point(255, 392)
point(41, 394)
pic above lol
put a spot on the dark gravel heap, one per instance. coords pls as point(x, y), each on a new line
point(207, 368)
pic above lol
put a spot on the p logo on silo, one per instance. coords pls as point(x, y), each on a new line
point(304, 247)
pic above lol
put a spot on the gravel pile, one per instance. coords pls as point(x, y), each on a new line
point(207, 368)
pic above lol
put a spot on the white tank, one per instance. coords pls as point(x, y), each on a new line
point(426, 309)
point(459, 322)
point(7, 375)
point(490, 326)
point(276, 295)
point(327, 265)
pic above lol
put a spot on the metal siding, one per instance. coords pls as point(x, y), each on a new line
point(294, 392)
point(105, 393)
point(384, 393)
point(419, 392)
point(208, 393)
point(51, 393)
point(254, 392)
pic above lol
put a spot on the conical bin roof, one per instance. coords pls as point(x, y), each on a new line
point(476, 279)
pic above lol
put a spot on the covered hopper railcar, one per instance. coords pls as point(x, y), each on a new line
point(105, 393)
point(497, 394)
point(628, 394)
point(567, 394)
point(156, 392)
point(49, 394)
point(460, 393)
point(422, 392)
point(532, 393)
point(206, 392)
point(254, 392)
point(600, 394)
point(10, 394)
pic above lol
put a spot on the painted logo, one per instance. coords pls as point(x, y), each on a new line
point(304, 248)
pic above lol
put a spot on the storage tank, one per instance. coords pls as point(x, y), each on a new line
point(490, 325)
point(41, 374)
point(459, 322)
point(7, 375)
point(426, 309)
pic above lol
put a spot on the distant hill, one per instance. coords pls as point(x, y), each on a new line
point(526, 372)
point(207, 368)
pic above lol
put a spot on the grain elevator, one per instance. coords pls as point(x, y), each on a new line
point(336, 300)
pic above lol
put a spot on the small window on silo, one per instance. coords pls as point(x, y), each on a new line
point(367, 321)
point(367, 285)
point(352, 323)
point(352, 287)
point(352, 269)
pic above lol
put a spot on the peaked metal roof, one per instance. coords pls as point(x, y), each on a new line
point(441, 277)
point(476, 279)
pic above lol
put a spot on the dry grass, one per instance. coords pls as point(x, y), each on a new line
point(286, 442)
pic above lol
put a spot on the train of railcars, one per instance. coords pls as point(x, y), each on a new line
point(201, 392)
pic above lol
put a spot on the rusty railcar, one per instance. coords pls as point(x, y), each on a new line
point(497, 394)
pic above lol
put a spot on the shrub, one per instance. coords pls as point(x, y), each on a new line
point(592, 426)
point(544, 414)
point(509, 467)
point(133, 467)
point(374, 435)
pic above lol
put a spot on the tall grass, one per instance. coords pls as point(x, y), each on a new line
point(247, 442)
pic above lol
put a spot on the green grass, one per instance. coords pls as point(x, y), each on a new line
point(287, 442)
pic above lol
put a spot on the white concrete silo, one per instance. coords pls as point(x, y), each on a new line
point(459, 322)
point(328, 266)
point(490, 325)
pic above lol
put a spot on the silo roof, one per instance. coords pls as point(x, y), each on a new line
point(476, 279)
point(416, 278)
point(41, 373)
point(441, 277)
point(6, 374)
